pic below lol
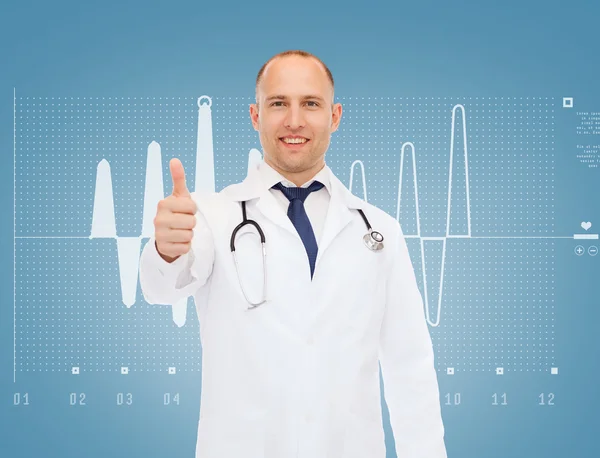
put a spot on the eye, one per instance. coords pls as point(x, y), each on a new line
point(274, 103)
point(315, 104)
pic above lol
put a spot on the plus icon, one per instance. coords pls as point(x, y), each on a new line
point(579, 250)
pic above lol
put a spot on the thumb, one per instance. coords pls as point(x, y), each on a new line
point(178, 176)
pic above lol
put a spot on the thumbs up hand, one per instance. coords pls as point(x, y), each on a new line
point(178, 176)
point(175, 217)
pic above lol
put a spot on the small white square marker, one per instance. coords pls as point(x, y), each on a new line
point(567, 102)
point(450, 371)
point(172, 370)
point(124, 370)
point(554, 370)
point(75, 370)
point(499, 371)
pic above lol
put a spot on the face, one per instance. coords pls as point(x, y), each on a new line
point(295, 115)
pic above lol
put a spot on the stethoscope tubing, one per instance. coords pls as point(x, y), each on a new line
point(373, 240)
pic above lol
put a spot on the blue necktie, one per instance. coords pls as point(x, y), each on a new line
point(299, 218)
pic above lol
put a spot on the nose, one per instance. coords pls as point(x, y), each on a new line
point(294, 118)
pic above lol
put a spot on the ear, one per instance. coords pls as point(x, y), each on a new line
point(336, 116)
point(254, 115)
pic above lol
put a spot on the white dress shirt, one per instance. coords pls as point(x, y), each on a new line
point(317, 202)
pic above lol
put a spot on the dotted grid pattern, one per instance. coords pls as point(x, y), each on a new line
point(498, 303)
point(70, 313)
point(510, 145)
point(233, 138)
point(69, 308)
point(60, 142)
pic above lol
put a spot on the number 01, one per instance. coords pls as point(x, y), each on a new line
point(17, 399)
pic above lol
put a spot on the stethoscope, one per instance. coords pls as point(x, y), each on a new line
point(373, 240)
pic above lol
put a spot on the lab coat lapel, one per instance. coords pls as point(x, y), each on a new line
point(339, 214)
point(271, 210)
point(253, 188)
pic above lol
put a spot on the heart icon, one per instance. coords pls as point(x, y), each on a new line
point(585, 225)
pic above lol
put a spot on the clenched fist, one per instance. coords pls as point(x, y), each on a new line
point(175, 220)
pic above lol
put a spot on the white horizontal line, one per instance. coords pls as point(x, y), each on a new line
point(520, 237)
point(52, 237)
point(406, 237)
point(585, 236)
point(485, 237)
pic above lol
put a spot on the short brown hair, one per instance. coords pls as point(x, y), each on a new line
point(293, 52)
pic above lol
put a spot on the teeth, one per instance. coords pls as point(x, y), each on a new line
point(294, 140)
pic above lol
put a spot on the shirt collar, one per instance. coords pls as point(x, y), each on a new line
point(270, 177)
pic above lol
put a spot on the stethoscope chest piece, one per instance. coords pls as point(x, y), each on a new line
point(373, 240)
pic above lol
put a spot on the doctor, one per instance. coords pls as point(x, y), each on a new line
point(290, 365)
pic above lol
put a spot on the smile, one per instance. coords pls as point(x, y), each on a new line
point(294, 140)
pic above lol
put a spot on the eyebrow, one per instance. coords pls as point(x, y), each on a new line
point(284, 97)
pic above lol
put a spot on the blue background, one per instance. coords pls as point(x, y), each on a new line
point(447, 52)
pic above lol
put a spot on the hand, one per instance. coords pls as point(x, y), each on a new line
point(175, 220)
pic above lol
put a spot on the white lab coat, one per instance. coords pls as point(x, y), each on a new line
point(298, 377)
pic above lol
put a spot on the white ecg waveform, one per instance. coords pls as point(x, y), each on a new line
point(424, 240)
point(364, 182)
point(103, 224)
point(153, 188)
point(128, 248)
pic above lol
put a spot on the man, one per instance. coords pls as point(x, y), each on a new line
point(297, 375)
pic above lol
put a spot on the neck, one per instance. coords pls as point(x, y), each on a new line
point(298, 178)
